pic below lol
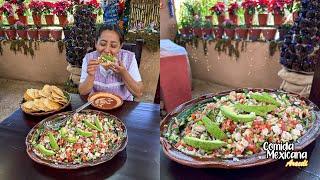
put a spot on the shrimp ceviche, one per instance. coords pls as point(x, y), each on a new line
point(85, 137)
point(237, 124)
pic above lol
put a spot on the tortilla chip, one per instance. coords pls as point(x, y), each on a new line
point(57, 90)
point(52, 105)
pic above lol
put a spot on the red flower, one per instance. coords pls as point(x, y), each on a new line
point(48, 7)
point(94, 5)
point(233, 8)
point(277, 6)
point(21, 10)
point(7, 9)
point(37, 7)
point(249, 6)
point(263, 5)
point(62, 7)
point(218, 8)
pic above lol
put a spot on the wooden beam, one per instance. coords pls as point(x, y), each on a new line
point(315, 88)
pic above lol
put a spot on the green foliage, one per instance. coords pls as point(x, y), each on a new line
point(71, 87)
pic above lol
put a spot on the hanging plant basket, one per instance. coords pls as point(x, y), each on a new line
point(63, 20)
point(221, 19)
point(56, 34)
point(218, 32)
point(242, 33)
point(278, 19)
point(33, 34)
point(187, 31)
point(44, 34)
point(269, 34)
point(254, 34)
point(230, 33)
point(207, 31)
point(248, 18)
point(263, 19)
point(11, 34)
point(11, 20)
point(36, 19)
point(49, 19)
point(197, 32)
point(22, 34)
point(234, 18)
point(23, 19)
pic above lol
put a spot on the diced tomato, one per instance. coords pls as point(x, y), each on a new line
point(268, 126)
point(238, 152)
point(228, 125)
point(77, 146)
point(193, 116)
point(252, 148)
point(227, 152)
point(248, 138)
point(92, 147)
point(187, 130)
point(270, 139)
point(294, 122)
point(84, 158)
point(190, 148)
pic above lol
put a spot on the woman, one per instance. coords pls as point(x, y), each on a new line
point(121, 78)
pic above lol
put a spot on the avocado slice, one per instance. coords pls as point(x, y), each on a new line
point(45, 151)
point(107, 58)
point(63, 132)
point(230, 113)
point(203, 144)
point(265, 97)
point(53, 142)
point(72, 139)
point(259, 110)
point(213, 128)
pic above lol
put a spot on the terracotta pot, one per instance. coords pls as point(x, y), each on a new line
point(11, 20)
point(36, 19)
point(197, 32)
point(269, 34)
point(33, 34)
point(218, 32)
point(234, 18)
point(254, 34)
point(44, 34)
point(11, 34)
point(49, 19)
point(2, 34)
point(263, 19)
point(278, 19)
point(248, 18)
point(242, 33)
point(207, 31)
point(209, 18)
point(295, 15)
point(56, 34)
point(229, 33)
point(63, 21)
point(221, 19)
point(23, 19)
point(23, 34)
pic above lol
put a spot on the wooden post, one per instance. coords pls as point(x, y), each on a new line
point(315, 87)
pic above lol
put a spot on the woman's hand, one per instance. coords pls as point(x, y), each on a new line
point(92, 67)
point(118, 68)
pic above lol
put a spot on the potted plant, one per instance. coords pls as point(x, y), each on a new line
point(95, 8)
point(56, 34)
point(269, 33)
point(197, 26)
point(242, 32)
point(2, 34)
point(263, 12)
point(218, 9)
point(186, 26)
point(254, 34)
point(233, 12)
point(229, 27)
point(44, 34)
point(218, 32)
point(7, 10)
point(33, 33)
point(22, 12)
point(37, 8)
point(207, 27)
point(61, 9)
point(11, 33)
point(21, 30)
point(277, 8)
point(47, 11)
point(296, 9)
point(250, 8)
point(283, 30)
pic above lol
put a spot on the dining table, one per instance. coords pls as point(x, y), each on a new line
point(139, 160)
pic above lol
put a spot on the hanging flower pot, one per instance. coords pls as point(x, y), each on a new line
point(207, 31)
point(44, 34)
point(248, 18)
point(269, 34)
point(11, 20)
point(221, 19)
point(234, 18)
point(278, 19)
point(36, 19)
point(33, 34)
point(263, 19)
point(11, 34)
point(56, 34)
point(254, 34)
point(63, 21)
point(188, 31)
point(197, 31)
point(218, 32)
point(49, 19)
point(242, 33)
point(23, 34)
point(229, 33)
point(23, 19)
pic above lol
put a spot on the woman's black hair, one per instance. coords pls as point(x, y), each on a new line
point(115, 28)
